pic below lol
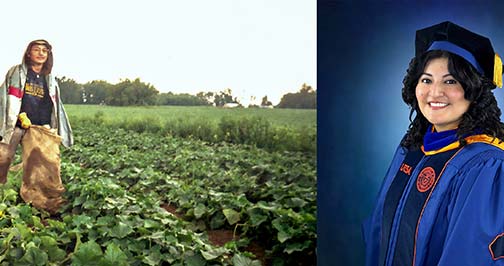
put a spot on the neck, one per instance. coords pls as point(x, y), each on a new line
point(37, 68)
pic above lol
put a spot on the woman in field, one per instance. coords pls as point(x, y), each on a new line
point(32, 113)
point(442, 200)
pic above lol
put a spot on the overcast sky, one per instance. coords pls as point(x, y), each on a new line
point(254, 47)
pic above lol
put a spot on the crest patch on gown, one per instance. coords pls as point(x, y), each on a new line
point(426, 179)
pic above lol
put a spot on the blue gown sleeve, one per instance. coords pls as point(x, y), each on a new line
point(475, 214)
point(371, 226)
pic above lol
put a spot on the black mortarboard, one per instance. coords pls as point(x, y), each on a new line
point(474, 48)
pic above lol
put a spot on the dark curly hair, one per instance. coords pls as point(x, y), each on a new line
point(483, 115)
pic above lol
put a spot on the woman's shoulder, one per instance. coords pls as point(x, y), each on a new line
point(485, 145)
point(478, 154)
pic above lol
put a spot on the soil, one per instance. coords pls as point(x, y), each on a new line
point(256, 249)
point(221, 237)
point(172, 209)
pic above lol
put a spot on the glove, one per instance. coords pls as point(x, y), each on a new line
point(25, 121)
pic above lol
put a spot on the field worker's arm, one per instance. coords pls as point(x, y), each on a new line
point(3, 103)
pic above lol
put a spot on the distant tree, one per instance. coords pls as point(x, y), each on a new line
point(306, 98)
point(253, 103)
point(180, 99)
point(223, 97)
point(206, 96)
point(96, 91)
point(142, 93)
point(265, 102)
point(129, 92)
point(164, 98)
point(71, 91)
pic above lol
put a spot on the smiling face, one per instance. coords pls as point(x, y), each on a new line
point(38, 54)
point(440, 97)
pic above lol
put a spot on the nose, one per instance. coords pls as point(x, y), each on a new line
point(437, 89)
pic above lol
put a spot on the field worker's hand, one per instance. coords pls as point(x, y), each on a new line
point(25, 121)
point(48, 127)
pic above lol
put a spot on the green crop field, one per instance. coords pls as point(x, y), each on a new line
point(272, 129)
point(153, 195)
point(297, 118)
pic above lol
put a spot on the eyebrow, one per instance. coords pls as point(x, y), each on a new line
point(444, 76)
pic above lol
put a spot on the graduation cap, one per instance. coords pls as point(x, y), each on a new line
point(474, 48)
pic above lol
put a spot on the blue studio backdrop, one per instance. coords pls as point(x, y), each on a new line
point(363, 52)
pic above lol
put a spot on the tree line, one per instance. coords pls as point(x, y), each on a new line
point(135, 92)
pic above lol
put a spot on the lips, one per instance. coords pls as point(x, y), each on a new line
point(437, 104)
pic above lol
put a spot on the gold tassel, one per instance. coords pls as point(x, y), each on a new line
point(497, 71)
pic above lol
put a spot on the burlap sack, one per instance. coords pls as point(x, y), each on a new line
point(41, 169)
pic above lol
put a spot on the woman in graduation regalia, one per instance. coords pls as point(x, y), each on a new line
point(442, 200)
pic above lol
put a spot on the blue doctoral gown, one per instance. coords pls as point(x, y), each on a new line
point(462, 221)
